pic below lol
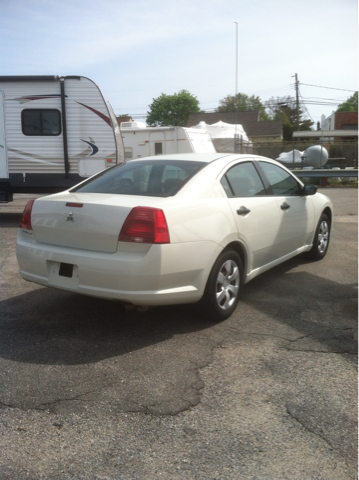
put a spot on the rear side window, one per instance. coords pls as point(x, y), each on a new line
point(41, 122)
point(243, 181)
point(280, 180)
point(154, 178)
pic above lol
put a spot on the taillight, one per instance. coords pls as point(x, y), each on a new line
point(145, 225)
point(25, 221)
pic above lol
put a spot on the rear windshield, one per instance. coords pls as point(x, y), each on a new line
point(154, 178)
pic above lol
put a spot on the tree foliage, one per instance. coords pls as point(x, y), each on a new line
point(172, 109)
point(285, 109)
point(242, 102)
point(350, 105)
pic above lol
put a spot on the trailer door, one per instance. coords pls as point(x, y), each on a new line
point(157, 143)
point(4, 172)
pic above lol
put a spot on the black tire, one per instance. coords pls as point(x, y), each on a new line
point(223, 287)
point(321, 239)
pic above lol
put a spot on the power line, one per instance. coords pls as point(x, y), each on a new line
point(326, 102)
point(330, 88)
point(307, 100)
point(330, 99)
point(305, 106)
point(266, 104)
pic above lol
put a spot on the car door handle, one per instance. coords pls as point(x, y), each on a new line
point(243, 211)
point(285, 206)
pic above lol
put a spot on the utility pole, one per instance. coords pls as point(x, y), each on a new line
point(297, 99)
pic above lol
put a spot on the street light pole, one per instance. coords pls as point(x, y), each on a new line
point(236, 92)
point(236, 57)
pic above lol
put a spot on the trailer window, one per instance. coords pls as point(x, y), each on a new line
point(41, 121)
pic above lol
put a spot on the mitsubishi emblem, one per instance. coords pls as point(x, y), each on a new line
point(70, 218)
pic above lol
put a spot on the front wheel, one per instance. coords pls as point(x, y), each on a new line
point(321, 239)
point(221, 295)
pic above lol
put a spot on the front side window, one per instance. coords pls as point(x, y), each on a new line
point(243, 181)
point(155, 178)
point(280, 180)
point(43, 122)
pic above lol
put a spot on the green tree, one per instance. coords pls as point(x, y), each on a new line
point(242, 102)
point(285, 109)
point(172, 109)
point(350, 105)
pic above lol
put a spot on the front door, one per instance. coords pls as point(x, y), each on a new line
point(4, 171)
point(296, 210)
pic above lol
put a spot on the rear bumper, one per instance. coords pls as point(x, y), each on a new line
point(138, 274)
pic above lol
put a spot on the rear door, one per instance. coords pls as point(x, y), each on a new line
point(256, 213)
point(4, 171)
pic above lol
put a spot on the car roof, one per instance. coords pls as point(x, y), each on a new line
point(194, 157)
point(208, 158)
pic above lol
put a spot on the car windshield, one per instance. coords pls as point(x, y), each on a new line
point(154, 178)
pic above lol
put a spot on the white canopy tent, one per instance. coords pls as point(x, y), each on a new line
point(223, 134)
point(223, 130)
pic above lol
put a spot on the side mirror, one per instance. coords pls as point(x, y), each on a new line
point(309, 190)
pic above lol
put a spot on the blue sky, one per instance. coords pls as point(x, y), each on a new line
point(136, 49)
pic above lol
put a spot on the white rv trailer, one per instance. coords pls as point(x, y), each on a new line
point(142, 141)
point(54, 132)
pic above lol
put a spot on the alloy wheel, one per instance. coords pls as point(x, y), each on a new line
point(227, 286)
point(323, 236)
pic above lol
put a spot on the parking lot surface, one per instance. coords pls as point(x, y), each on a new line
point(90, 391)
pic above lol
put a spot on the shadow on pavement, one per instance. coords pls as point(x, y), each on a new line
point(323, 313)
point(48, 326)
point(52, 327)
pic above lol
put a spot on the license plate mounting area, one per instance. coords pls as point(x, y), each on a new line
point(66, 270)
point(61, 274)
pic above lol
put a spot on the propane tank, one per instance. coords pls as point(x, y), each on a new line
point(316, 156)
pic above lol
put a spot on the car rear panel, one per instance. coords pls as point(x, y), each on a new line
point(141, 274)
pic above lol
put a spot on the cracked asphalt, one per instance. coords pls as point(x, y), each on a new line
point(90, 391)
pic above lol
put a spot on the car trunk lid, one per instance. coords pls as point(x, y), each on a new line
point(84, 221)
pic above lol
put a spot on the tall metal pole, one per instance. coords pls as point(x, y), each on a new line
point(236, 92)
point(236, 57)
point(297, 99)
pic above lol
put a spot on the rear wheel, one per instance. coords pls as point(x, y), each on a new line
point(223, 287)
point(321, 239)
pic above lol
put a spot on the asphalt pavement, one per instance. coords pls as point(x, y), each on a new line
point(91, 391)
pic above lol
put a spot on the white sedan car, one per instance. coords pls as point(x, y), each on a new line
point(173, 229)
